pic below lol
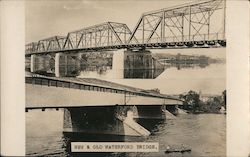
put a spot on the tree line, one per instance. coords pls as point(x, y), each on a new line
point(194, 104)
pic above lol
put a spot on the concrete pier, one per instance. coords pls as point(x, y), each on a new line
point(151, 112)
point(67, 64)
point(57, 64)
point(141, 64)
point(32, 62)
point(102, 120)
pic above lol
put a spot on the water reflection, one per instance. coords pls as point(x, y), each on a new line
point(136, 65)
point(118, 65)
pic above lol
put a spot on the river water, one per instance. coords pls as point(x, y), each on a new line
point(205, 134)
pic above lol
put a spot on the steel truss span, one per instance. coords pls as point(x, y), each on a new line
point(190, 25)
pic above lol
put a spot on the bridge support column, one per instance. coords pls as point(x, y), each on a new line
point(141, 64)
point(32, 62)
point(115, 120)
point(117, 63)
point(40, 63)
point(57, 64)
point(67, 64)
point(173, 109)
point(151, 112)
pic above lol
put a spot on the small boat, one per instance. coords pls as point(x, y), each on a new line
point(182, 149)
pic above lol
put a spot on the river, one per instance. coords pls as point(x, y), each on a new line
point(205, 134)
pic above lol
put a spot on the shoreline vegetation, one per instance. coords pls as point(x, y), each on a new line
point(186, 59)
point(197, 103)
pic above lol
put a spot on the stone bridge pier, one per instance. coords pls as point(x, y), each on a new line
point(115, 120)
point(58, 64)
point(42, 63)
point(136, 64)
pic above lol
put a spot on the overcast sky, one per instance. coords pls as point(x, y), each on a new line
point(45, 18)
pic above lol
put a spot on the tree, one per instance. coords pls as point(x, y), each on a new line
point(191, 100)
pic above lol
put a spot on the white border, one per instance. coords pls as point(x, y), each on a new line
point(237, 29)
point(12, 78)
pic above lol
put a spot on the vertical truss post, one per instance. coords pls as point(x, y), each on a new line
point(163, 27)
point(76, 41)
point(91, 39)
point(85, 38)
point(224, 20)
point(189, 32)
point(100, 38)
point(108, 38)
point(111, 36)
point(182, 27)
point(143, 29)
point(95, 39)
point(208, 25)
point(125, 41)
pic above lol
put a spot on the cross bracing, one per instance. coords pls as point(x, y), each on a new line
point(199, 24)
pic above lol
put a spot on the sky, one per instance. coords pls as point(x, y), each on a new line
point(46, 18)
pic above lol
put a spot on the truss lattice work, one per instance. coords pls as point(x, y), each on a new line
point(185, 23)
point(199, 24)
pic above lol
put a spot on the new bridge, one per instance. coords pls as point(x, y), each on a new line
point(192, 25)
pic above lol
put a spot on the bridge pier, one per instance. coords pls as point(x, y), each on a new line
point(141, 64)
point(41, 63)
point(32, 63)
point(57, 64)
point(115, 120)
point(67, 64)
point(151, 112)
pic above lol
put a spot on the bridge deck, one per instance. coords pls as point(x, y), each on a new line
point(47, 92)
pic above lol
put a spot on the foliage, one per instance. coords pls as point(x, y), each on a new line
point(193, 103)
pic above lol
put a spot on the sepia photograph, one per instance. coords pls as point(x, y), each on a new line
point(125, 78)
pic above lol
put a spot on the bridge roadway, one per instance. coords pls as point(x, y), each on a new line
point(50, 92)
